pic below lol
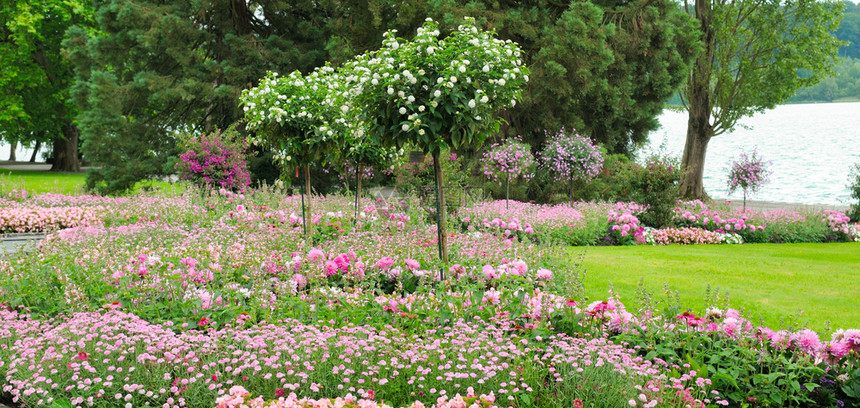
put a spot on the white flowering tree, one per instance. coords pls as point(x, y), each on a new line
point(437, 93)
point(300, 118)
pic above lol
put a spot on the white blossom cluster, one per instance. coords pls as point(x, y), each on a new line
point(428, 90)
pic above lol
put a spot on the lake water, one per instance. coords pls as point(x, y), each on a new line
point(811, 146)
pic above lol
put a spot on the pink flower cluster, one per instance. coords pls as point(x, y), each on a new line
point(239, 397)
point(840, 223)
point(748, 172)
point(571, 157)
point(686, 236)
point(46, 219)
point(508, 161)
point(625, 227)
point(214, 161)
point(714, 220)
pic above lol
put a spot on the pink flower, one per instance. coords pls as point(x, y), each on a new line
point(384, 263)
point(412, 264)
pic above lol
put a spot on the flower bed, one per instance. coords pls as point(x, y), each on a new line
point(219, 300)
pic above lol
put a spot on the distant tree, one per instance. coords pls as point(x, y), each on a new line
point(36, 76)
point(849, 30)
point(753, 51)
point(161, 67)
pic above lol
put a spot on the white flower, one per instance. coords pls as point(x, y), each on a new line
point(513, 102)
point(405, 127)
point(391, 91)
point(502, 81)
point(421, 108)
point(374, 81)
point(472, 103)
point(486, 68)
point(485, 99)
point(430, 50)
point(462, 68)
point(438, 93)
point(402, 110)
point(344, 108)
point(420, 131)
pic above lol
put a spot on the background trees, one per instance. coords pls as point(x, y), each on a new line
point(754, 51)
point(36, 76)
point(159, 67)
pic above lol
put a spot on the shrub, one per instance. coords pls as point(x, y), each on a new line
point(656, 185)
point(854, 188)
point(215, 160)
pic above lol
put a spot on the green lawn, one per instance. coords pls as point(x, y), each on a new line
point(41, 181)
point(774, 281)
point(38, 181)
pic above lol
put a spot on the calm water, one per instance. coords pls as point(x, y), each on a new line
point(811, 147)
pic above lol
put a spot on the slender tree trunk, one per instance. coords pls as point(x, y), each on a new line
point(699, 127)
point(441, 211)
point(66, 150)
point(571, 193)
point(36, 151)
point(12, 154)
point(308, 223)
point(358, 186)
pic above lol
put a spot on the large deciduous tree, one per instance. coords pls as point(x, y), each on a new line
point(36, 76)
point(158, 67)
point(756, 54)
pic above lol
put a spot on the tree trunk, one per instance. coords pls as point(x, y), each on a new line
point(36, 151)
point(66, 150)
point(693, 161)
point(12, 155)
point(571, 193)
point(441, 212)
point(358, 187)
point(308, 224)
point(699, 127)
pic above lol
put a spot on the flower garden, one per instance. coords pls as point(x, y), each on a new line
point(225, 296)
point(220, 300)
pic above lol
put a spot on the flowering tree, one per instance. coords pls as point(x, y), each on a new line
point(571, 157)
point(216, 160)
point(299, 117)
point(506, 161)
point(437, 93)
point(749, 173)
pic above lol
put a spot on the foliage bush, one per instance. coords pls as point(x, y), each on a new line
point(213, 161)
point(854, 187)
point(655, 184)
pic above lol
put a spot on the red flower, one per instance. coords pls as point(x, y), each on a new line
point(577, 403)
point(203, 321)
point(279, 393)
point(570, 302)
point(214, 377)
point(371, 394)
point(82, 355)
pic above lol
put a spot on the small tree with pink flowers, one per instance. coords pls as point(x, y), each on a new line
point(571, 157)
point(748, 172)
point(509, 160)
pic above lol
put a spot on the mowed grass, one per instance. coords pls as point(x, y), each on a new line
point(41, 181)
point(37, 181)
point(773, 281)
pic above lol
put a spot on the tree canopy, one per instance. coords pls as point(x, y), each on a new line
point(35, 79)
point(757, 53)
point(159, 67)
